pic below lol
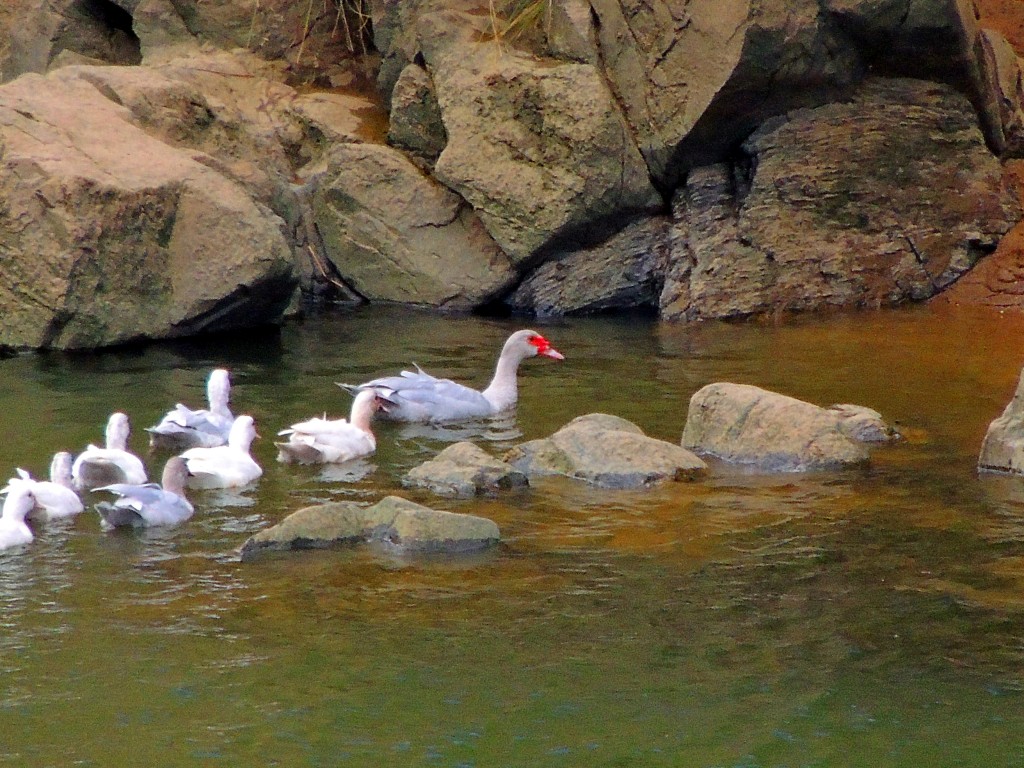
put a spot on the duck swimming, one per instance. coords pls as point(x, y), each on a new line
point(418, 396)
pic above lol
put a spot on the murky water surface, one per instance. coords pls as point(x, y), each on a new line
point(862, 618)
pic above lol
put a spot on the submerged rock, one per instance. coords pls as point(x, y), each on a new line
point(744, 424)
point(1002, 450)
point(607, 451)
point(463, 469)
point(395, 523)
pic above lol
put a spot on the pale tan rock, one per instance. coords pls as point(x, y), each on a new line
point(395, 524)
point(110, 235)
point(607, 451)
point(744, 424)
point(397, 235)
point(1002, 450)
point(538, 148)
point(464, 469)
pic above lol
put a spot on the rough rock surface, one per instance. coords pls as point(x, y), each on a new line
point(394, 523)
point(997, 281)
point(694, 78)
point(416, 124)
point(538, 148)
point(311, 41)
point(744, 424)
point(1005, 72)
point(463, 469)
point(397, 235)
point(607, 451)
point(1002, 450)
point(130, 238)
point(624, 272)
point(888, 197)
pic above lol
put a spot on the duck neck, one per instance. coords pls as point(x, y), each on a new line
point(502, 392)
point(360, 419)
point(60, 471)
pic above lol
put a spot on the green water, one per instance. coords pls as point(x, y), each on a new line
point(864, 618)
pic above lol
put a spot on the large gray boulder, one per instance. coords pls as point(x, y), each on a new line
point(109, 235)
point(888, 197)
point(744, 424)
point(464, 469)
point(1002, 450)
point(395, 234)
point(395, 524)
point(606, 451)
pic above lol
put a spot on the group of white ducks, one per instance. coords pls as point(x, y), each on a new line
point(215, 445)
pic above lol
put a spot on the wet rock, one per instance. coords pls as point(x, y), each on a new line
point(394, 523)
point(463, 469)
point(607, 451)
point(395, 234)
point(862, 424)
point(889, 197)
point(112, 235)
point(744, 424)
point(1002, 450)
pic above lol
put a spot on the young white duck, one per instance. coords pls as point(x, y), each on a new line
point(183, 428)
point(225, 466)
point(13, 529)
point(56, 497)
point(144, 506)
point(325, 441)
point(418, 396)
point(113, 464)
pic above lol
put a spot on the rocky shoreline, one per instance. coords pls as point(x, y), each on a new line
point(175, 169)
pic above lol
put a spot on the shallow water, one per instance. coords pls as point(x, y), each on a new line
point(868, 617)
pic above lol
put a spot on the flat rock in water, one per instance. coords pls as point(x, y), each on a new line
point(607, 451)
point(745, 424)
point(396, 523)
point(1002, 450)
point(463, 469)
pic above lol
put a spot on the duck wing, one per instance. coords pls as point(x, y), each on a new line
point(418, 396)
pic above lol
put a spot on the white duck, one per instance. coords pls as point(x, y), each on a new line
point(183, 428)
point(418, 396)
point(144, 506)
point(225, 466)
point(56, 497)
point(112, 464)
point(13, 529)
point(325, 441)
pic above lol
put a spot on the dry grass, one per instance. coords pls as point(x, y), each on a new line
point(511, 19)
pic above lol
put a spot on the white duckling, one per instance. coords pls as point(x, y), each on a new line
point(56, 497)
point(183, 428)
point(418, 396)
point(225, 466)
point(144, 506)
point(13, 529)
point(113, 464)
point(325, 441)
